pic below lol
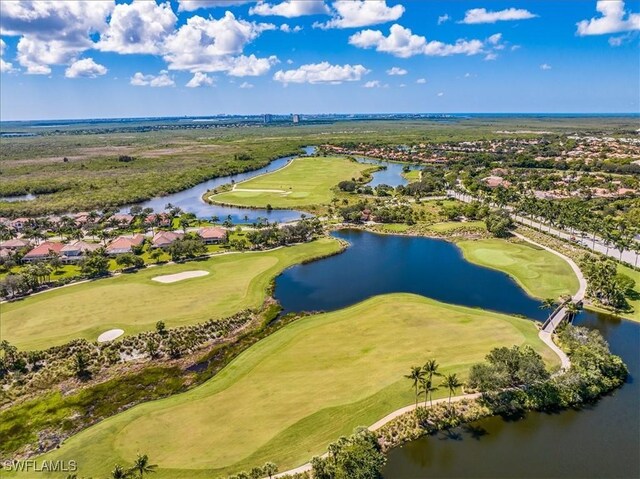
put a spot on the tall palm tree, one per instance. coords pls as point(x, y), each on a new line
point(548, 303)
point(452, 382)
point(120, 472)
point(430, 369)
point(416, 376)
point(141, 466)
point(428, 388)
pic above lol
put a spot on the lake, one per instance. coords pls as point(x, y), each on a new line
point(602, 440)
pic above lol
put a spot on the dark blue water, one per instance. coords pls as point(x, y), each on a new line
point(392, 175)
point(378, 264)
point(600, 441)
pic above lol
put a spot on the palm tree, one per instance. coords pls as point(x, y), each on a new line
point(430, 369)
point(548, 303)
point(428, 388)
point(451, 382)
point(141, 466)
point(572, 310)
point(270, 469)
point(416, 376)
point(120, 472)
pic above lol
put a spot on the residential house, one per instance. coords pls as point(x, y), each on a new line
point(76, 250)
point(164, 239)
point(14, 244)
point(43, 251)
point(19, 223)
point(124, 244)
point(122, 219)
point(213, 235)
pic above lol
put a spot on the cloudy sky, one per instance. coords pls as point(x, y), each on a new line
point(95, 58)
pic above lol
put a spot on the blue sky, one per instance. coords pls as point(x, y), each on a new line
point(74, 59)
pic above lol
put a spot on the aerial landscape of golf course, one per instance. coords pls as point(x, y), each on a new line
point(304, 385)
point(319, 239)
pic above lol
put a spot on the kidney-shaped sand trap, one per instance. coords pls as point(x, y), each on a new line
point(110, 335)
point(172, 278)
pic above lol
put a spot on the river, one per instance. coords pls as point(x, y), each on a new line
point(190, 200)
point(602, 440)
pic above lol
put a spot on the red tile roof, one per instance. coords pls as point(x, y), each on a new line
point(44, 249)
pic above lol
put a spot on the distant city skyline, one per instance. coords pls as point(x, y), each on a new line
point(142, 58)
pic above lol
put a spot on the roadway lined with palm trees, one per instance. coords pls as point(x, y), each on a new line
point(589, 241)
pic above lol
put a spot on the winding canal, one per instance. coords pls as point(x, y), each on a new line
point(597, 441)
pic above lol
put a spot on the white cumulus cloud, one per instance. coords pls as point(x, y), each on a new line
point(200, 79)
point(52, 32)
point(361, 13)
point(545, 66)
point(85, 68)
point(216, 45)
point(612, 19)
point(161, 80)
point(321, 73)
point(396, 71)
point(372, 84)
point(421, 81)
point(191, 5)
point(482, 15)
point(290, 8)
point(5, 67)
point(138, 27)
point(285, 27)
point(246, 85)
point(443, 18)
point(401, 42)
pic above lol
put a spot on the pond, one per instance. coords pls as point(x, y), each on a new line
point(598, 441)
point(13, 199)
point(391, 175)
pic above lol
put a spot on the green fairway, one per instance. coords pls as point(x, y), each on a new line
point(541, 273)
point(447, 226)
point(305, 181)
point(288, 396)
point(634, 302)
point(134, 303)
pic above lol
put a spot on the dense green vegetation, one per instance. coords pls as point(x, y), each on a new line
point(284, 371)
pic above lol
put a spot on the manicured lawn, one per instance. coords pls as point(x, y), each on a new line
point(306, 181)
point(413, 175)
point(394, 227)
point(134, 302)
point(635, 303)
point(289, 395)
point(540, 273)
point(454, 225)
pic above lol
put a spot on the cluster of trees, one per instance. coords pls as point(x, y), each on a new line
point(189, 247)
point(30, 278)
point(358, 456)
point(302, 231)
point(432, 181)
point(422, 378)
point(605, 284)
point(268, 470)
point(514, 380)
point(499, 223)
point(141, 467)
point(383, 214)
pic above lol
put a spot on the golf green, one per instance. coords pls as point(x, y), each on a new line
point(541, 273)
point(289, 395)
point(305, 181)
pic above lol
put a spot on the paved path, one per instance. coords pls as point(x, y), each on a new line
point(382, 422)
point(546, 334)
point(583, 239)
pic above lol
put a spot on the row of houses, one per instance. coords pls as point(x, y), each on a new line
point(74, 251)
point(122, 220)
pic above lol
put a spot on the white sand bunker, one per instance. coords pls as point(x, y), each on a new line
point(110, 335)
point(172, 278)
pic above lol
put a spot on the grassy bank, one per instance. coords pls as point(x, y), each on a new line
point(306, 181)
point(134, 302)
point(541, 273)
point(292, 393)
